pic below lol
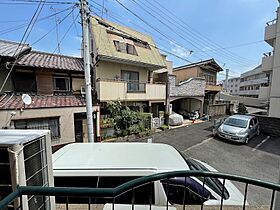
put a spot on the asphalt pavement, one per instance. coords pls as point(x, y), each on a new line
point(259, 159)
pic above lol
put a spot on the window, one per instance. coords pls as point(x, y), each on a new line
point(51, 124)
point(24, 82)
point(61, 84)
point(125, 47)
point(132, 78)
point(143, 194)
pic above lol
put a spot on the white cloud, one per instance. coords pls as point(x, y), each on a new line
point(180, 51)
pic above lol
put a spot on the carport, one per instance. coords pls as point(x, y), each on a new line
point(187, 104)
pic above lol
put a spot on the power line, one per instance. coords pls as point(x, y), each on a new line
point(72, 24)
point(24, 38)
point(156, 28)
point(38, 1)
point(52, 29)
point(191, 30)
point(17, 27)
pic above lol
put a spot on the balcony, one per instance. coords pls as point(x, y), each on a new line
point(112, 90)
point(270, 32)
point(267, 62)
point(129, 192)
point(211, 86)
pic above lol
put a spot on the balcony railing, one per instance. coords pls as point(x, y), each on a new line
point(270, 32)
point(91, 195)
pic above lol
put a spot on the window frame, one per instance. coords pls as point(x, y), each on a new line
point(62, 77)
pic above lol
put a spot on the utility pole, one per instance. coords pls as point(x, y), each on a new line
point(226, 85)
point(86, 56)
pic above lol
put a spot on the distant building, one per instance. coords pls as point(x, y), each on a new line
point(232, 86)
point(271, 66)
point(251, 81)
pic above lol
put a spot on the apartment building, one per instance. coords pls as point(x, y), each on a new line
point(271, 66)
point(252, 81)
point(53, 83)
point(232, 86)
point(125, 61)
point(207, 70)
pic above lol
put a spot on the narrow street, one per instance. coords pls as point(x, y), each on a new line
point(259, 159)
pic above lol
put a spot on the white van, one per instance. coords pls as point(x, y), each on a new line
point(107, 165)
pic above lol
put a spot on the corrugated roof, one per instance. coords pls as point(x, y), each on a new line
point(51, 61)
point(12, 49)
point(8, 102)
point(106, 50)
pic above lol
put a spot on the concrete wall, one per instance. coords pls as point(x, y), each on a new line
point(191, 87)
point(108, 70)
point(185, 74)
point(269, 125)
point(9, 85)
point(65, 114)
point(254, 102)
point(190, 104)
point(216, 109)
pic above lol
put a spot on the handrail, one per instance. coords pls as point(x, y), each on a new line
point(113, 192)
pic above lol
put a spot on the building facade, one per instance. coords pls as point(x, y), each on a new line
point(207, 70)
point(232, 86)
point(271, 66)
point(125, 64)
point(53, 83)
point(252, 81)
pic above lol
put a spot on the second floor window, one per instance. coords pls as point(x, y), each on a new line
point(125, 47)
point(24, 82)
point(61, 84)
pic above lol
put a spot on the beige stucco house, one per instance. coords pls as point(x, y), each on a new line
point(125, 61)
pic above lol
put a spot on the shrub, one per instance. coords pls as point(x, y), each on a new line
point(242, 109)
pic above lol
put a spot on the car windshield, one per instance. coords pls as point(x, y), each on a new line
point(213, 183)
point(236, 122)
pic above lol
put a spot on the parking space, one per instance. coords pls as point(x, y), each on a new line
point(260, 158)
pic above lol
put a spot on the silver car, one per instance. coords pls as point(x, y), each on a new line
point(239, 128)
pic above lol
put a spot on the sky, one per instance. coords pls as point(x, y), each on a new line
point(231, 32)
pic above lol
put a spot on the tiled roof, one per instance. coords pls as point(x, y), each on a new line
point(201, 63)
point(10, 102)
point(51, 61)
point(11, 49)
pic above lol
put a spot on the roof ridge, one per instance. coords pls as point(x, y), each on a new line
point(12, 42)
point(54, 54)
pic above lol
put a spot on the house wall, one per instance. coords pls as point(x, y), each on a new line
point(65, 114)
point(44, 82)
point(109, 70)
point(76, 84)
point(185, 74)
point(9, 85)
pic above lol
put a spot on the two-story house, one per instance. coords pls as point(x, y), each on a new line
point(125, 61)
point(208, 70)
point(54, 84)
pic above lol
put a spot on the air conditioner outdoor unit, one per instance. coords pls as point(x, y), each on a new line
point(83, 90)
point(26, 160)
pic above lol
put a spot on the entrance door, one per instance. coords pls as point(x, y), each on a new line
point(78, 124)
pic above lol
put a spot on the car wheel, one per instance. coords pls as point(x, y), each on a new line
point(246, 140)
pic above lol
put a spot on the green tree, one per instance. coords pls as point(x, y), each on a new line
point(242, 109)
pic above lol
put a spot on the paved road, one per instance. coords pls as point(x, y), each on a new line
point(259, 159)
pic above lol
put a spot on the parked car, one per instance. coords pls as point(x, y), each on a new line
point(238, 128)
point(108, 165)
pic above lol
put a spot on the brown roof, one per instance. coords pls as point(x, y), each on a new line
point(15, 102)
point(51, 61)
point(210, 63)
point(12, 49)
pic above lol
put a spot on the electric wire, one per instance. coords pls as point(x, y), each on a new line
point(24, 39)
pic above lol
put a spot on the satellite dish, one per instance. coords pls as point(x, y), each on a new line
point(26, 99)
